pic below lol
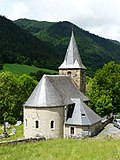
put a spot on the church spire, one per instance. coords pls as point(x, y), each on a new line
point(72, 58)
point(73, 66)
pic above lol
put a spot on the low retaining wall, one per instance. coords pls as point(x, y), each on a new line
point(105, 122)
point(14, 142)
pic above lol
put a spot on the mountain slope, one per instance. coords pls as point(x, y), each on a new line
point(46, 46)
point(94, 50)
point(19, 46)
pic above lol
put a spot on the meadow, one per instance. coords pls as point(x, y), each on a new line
point(60, 149)
point(63, 149)
point(23, 69)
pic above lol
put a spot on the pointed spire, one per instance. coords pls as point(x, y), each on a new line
point(72, 58)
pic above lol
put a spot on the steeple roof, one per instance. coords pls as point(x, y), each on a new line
point(72, 57)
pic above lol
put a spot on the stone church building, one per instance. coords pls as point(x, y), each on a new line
point(57, 108)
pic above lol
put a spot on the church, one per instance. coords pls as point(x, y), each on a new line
point(58, 107)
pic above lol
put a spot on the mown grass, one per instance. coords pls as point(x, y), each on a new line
point(23, 69)
point(62, 149)
point(18, 135)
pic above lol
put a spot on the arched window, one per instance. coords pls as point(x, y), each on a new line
point(69, 73)
point(26, 122)
point(52, 124)
point(36, 124)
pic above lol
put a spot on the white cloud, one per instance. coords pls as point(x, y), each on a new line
point(20, 9)
point(99, 16)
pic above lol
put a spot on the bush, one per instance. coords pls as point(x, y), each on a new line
point(11, 120)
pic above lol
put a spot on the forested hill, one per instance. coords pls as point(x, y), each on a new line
point(94, 50)
point(44, 44)
point(19, 46)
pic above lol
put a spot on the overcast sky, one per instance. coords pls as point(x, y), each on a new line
point(101, 17)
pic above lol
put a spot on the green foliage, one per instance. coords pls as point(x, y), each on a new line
point(1, 66)
point(104, 89)
point(14, 91)
point(38, 75)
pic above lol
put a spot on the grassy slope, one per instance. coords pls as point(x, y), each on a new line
point(63, 150)
point(23, 69)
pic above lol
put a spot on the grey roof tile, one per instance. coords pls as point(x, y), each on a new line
point(72, 58)
point(45, 94)
point(82, 115)
point(57, 90)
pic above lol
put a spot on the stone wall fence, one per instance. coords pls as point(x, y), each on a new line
point(14, 142)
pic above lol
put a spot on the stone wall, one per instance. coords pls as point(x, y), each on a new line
point(44, 116)
point(78, 76)
point(22, 141)
point(78, 130)
point(81, 131)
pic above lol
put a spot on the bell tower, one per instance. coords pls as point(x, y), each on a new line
point(73, 66)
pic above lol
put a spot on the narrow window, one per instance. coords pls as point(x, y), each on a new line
point(72, 130)
point(70, 111)
point(52, 125)
point(26, 122)
point(36, 124)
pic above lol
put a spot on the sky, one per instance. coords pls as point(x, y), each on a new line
point(101, 17)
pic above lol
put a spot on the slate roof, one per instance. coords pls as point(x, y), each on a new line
point(54, 91)
point(72, 59)
point(57, 90)
point(45, 94)
point(82, 115)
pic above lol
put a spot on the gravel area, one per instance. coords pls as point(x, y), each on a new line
point(109, 131)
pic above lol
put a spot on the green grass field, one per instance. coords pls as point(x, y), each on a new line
point(60, 149)
point(63, 149)
point(23, 69)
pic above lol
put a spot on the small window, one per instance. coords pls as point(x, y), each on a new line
point(26, 122)
point(72, 131)
point(69, 73)
point(36, 124)
point(52, 124)
point(83, 115)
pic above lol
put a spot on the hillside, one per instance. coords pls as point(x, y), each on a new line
point(95, 51)
point(44, 44)
point(19, 46)
point(25, 69)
